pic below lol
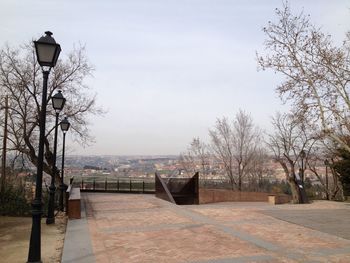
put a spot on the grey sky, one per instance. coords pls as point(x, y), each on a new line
point(166, 69)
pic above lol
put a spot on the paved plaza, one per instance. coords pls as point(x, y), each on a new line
point(142, 228)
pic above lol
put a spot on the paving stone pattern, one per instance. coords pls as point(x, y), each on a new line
point(334, 221)
point(142, 228)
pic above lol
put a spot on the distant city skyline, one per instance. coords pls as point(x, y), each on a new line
point(166, 69)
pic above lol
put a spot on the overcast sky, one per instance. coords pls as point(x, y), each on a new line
point(166, 69)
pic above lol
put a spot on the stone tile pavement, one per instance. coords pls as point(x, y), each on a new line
point(142, 228)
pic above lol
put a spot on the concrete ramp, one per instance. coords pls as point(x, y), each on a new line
point(77, 243)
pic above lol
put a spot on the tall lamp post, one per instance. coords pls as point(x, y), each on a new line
point(47, 51)
point(64, 127)
point(4, 149)
point(58, 103)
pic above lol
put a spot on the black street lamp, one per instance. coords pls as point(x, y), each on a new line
point(302, 156)
point(64, 127)
point(303, 195)
point(58, 103)
point(326, 163)
point(47, 51)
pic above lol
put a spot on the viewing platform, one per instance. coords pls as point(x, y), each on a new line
point(119, 227)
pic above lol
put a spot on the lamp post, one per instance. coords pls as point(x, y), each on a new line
point(302, 156)
point(4, 148)
point(64, 127)
point(326, 163)
point(303, 195)
point(47, 51)
point(58, 103)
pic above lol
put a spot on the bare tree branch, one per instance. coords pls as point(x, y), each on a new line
point(21, 79)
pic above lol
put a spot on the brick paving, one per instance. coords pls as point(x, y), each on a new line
point(334, 221)
point(142, 228)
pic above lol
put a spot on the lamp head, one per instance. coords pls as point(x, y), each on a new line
point(47, 50)
point(58, 101)
point(65, 125)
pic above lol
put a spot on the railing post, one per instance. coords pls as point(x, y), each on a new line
point(106, 184)
point(118, 185)
point(143, 187)
point(93, 185)
point(130, 185)
point(82, 183)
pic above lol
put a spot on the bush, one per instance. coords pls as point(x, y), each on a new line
point(13, 201)
point(342, 167)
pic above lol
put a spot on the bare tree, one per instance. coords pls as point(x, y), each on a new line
point(290, 139)
point(259, 169)
point(320, 163)
point(317, 73)
point(234, 145)
point(187, 163)
point(21, 80)
point(222, 145)
point(197, 155)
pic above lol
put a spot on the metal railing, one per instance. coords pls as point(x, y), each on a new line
point(121, 185)
point(147, 185)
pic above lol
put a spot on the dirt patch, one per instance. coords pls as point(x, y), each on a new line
point(15, 235)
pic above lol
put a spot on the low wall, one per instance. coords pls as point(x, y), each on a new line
point(279, 199)
point(221, 195)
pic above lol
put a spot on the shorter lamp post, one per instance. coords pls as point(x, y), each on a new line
point(302, 156)
point(326, 163)
point(64, 127)
point(58, 102)
point(303, 195)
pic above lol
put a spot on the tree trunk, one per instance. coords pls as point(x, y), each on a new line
point(239, 178)
point(341, 196)
point(232, 183)
point(295, 189)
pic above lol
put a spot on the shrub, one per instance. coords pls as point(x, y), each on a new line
point(13, 201)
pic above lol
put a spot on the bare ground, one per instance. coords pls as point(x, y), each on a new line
point(15, 235)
